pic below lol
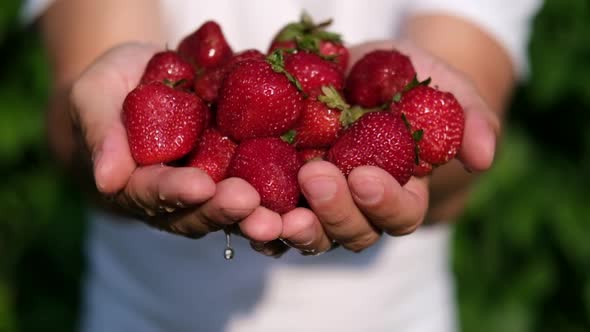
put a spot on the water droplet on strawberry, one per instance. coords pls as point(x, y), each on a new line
point(178, 140)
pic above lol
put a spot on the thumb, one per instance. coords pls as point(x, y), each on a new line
point(97, 98)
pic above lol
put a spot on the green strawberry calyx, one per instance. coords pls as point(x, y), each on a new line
point(289, 136)
point(307, 27)
point(417, 135)
point(173, 84)
point(351, 115)
point(277, 62)
point(348, 114)
point(331, 98)
point(414, 83)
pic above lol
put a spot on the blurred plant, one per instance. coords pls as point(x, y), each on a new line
point(40, 214)
point(522, 254)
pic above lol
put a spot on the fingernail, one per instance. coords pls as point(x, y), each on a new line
point(320, 189)
point(258, 246)
point(490, 141)
point(262, 248)
point(305, 238)
point(309, 252)
point(96, 157)
point(368, 189)
point(95, 161)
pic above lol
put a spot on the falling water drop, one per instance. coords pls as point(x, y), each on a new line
point(228, 253)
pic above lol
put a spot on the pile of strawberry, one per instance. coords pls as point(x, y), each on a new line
point(260, 117)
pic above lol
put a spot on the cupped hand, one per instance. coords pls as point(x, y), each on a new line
point(355, 211)
point(180, 200)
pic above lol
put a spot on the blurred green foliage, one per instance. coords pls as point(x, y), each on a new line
point(522, 255)
point(521, 251)
point(40, 212)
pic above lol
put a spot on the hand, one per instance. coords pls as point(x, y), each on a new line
point(180, 200)
point(355, 211)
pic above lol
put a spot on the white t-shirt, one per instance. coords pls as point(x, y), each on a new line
point(140, 279)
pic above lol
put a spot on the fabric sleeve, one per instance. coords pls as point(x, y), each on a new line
point(508, 21)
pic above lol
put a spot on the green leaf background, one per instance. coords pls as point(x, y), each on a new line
point(521, 250)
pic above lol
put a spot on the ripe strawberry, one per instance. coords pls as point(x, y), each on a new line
point(320, 122)
point(207, 84)
point(379, 139)
point(437, 118)
point(270, 165)
point(377, 77)
point(313, 72)
point(213, 154)
point(337, 51)
point(257, 99)
point(422, 169)
point(306, 155)
point(206, 47)
point(249, 54)
point(163, 124)
point(168, 67)
point(309, 36)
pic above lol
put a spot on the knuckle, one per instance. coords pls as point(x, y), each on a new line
point(337, 218)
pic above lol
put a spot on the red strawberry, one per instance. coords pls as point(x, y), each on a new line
point(377, 77)
point(257, 100)
point(206, 47)
point(337, 51)
point(168, 67)
point(270, 165)
point(208, 83)
point(313, 72)
point(379, 139)
point(250, 54)
point(306, 155)
point(213, 154)
point(436, 118)
point(320, 122)
point(309, 36)
point(422, 169)
point(163, 124)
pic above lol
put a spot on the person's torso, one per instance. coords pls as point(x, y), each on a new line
point(177, 283)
